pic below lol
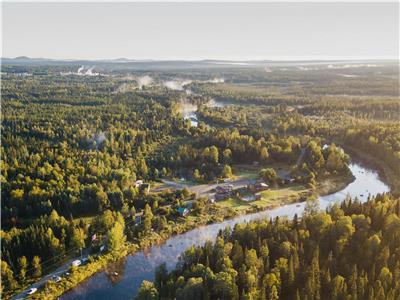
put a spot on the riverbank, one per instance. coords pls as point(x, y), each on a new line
point(141, 265)
point(287, 194)
point(215, 213)
point(390, 176)
point(53, 290)
point(332, 184)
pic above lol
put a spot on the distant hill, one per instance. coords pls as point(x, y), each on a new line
point(126, 63)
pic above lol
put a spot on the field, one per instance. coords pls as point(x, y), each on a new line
point(269, 199)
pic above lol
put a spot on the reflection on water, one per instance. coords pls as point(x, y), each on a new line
point(188, 111)
point(140, 266)
point(115, 271)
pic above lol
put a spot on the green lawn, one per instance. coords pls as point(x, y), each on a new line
point(250, 171)
point(234, 203)
point(246, 173)
point(269, 198)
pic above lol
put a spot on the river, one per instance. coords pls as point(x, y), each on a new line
point(141, 265)
point(189, 110)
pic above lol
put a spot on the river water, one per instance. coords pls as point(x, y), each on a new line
point(140, 266)
point(189, 110)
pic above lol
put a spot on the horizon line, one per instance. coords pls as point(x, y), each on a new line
point(227, 59)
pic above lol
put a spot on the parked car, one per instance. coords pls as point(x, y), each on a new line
point(76, 263)
point(55, 278)
point(85, 260)
point(32, 291)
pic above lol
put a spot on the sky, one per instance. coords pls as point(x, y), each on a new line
point(194, 31)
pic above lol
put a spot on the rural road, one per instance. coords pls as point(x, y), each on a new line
point(202, 190)
point(206, 190)
point(301, 156)
point(57, 272)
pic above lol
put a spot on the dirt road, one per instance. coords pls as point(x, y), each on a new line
point(202, 190)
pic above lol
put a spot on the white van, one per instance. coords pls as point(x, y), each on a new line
point(32, 291)
point(76, 263)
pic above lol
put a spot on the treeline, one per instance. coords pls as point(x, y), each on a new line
point(349, 252)
point(239, 116)
point(382, 141)
point(313, 162)
point(378, 139)
point(29, 253)
point(383, 109)
point(214, 149)
point(26, 253)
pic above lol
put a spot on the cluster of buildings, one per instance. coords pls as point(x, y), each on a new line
point(247, 193)
point(223, 192)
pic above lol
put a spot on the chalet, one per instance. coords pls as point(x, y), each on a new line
point(225, 189)
point(257, 187)
point(223, 192)
point(183, 212)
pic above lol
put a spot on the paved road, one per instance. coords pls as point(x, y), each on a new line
point(58, 272)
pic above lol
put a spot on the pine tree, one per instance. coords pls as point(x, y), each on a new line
point(273, 294)
point(22, 264)
point(148, 217)
point(291, 274)
point(37, 268)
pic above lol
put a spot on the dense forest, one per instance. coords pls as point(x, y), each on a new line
point(349, 252)
point(74, 147)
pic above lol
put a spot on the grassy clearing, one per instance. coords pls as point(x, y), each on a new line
point(269, 199)
point(286, 194)
point(246, 174)
point(246, 171)
point(234, 203)
point(332, 184)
